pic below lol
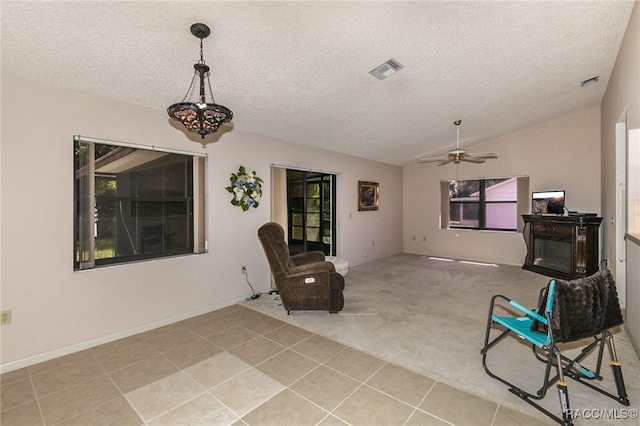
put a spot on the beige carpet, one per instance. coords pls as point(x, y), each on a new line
point(430, 316)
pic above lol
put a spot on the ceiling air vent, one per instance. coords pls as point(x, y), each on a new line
point(590, 81)
point(386, 69)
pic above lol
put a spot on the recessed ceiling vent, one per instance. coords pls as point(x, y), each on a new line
point(386, 69)
point(590, 81)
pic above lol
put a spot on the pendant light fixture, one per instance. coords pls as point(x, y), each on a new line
point(200, 117)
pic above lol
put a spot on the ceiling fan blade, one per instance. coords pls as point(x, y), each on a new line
point(447, 161)
point(484, 154)
point(472, 159)
point(432, 159)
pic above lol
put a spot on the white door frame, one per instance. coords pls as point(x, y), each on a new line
point(621, 222)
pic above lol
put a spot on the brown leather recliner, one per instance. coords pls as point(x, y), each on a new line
point(304, 281)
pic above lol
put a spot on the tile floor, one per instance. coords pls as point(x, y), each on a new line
point(235, 366)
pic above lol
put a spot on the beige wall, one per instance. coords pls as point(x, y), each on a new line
point(56, 310)
point(559, 154)
point(621, 99)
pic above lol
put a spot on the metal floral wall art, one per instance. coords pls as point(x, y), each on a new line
point(246, 188)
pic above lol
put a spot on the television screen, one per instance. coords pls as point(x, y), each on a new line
point(547, 202)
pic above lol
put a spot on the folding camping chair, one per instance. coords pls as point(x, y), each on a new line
point(568, 311)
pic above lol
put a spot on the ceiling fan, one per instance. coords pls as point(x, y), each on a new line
point(458, 154)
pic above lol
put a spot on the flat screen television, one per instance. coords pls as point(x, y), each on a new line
point(547, 202)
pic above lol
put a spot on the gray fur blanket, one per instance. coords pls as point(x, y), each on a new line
point(585, 307)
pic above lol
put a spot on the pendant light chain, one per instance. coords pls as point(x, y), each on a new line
point(201, 61)
point(190, 90)
point(213, 99)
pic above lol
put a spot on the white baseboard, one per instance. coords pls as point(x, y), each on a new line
point(46, 356)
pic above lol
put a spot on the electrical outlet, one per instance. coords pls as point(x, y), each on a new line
point(5, 317)
point(243, 269)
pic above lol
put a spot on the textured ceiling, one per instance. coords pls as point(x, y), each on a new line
point(299, 70)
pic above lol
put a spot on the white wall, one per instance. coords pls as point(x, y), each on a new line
point(559, 154)
point(633, 182)
point(622, 98)
point(56, 310)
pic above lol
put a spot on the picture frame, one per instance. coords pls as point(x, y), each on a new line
point(368, 195)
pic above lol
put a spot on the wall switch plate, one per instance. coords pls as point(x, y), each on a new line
point(5, 317)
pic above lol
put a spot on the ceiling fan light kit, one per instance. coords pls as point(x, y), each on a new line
point(457, 155)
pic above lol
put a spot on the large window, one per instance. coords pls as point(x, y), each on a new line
point(135, 202)
point(489, 204)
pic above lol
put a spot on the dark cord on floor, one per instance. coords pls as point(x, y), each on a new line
point(255, 295)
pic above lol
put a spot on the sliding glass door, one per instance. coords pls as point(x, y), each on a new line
point(311, 211)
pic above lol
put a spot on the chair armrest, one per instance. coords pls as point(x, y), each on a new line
point(308, 257)
point(314, 277)
point(530, 313)
point(312, 268)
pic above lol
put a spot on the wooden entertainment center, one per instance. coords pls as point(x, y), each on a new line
point(564, 247)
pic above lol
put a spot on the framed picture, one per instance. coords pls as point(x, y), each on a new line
point(368, 193)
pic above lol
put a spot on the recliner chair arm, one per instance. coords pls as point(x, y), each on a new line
point(308, 257)
point(313, 274)
point(311, 268)
point(317, 282)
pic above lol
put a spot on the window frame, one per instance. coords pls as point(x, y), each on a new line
point(85, 203)
point(522, 204)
